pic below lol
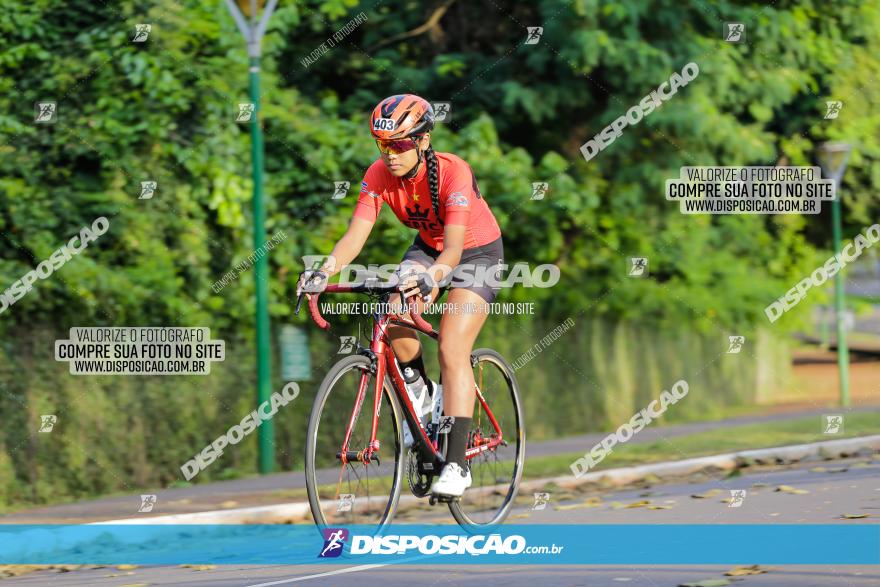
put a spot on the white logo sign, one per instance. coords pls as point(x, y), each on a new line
point(341, 189)
point(47, 422)
point(534, 35)
point(736, 344)
point(734, 32)
point(245, 112)
point(346, 501)
point(638, 266)
point(141, 32)
point(541, 500)
point(147, 503)
point(147, 190)
point(44, 112)
point(737, 496)
point(442, 111)
point(346, 344)
point(446, 424)
point(832, 109)
point(539, 189)
point(833, 424)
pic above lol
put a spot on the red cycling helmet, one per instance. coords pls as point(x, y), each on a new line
point(401, 116)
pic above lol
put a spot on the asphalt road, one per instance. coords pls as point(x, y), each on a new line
point(823, 492)
point(253, 491)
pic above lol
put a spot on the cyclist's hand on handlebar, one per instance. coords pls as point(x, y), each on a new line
point(311, 281)
point(420, 284)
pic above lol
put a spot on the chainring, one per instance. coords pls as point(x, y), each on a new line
point(419, 483)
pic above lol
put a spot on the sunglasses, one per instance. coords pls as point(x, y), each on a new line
point(396, 146)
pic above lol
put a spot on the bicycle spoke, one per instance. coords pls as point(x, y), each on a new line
point(494, 471)
point(361, 493)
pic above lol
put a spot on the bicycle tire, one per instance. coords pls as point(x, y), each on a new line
point(456, 507)
point(336, 373)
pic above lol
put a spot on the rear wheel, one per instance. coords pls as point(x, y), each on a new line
point(354, 492)
point(496, 473)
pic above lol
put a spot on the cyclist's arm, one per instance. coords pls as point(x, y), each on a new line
point(366, 211)
point(349, 246)
point(453, 245)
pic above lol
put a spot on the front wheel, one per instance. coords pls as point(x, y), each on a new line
point(354, 492)
point(496, 473)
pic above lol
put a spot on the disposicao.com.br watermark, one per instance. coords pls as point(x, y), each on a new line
point(56, 261)
point(823, 273)
point(429, 544)
point(236, 433)
point(629, 429)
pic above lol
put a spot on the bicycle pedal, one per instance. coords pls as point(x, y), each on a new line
point(436, 497)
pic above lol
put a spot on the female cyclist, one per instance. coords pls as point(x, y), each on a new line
point(437, 194)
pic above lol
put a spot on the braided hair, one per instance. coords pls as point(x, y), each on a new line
point(433, 181)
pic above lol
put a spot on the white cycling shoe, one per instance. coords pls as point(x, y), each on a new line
point(453, 481)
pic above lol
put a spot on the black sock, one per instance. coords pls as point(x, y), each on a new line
point(418, 366)
point(457, 441)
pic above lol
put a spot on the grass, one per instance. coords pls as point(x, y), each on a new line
point(718, 441)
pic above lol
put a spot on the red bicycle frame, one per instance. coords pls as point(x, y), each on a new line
point(381, 351)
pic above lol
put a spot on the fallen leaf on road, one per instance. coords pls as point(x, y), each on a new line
point(854, 516)
point(739, 571)
point(125, 567)
point(839, 470)
point(818, 470)
point(135, 585)
point(229, 504)
point(759, 484)
point(616, 505)
point(707, 494)
point(520, 515)
point(199, 567)
point(659, 507)
point(707, 583)
point(573, 506)
point(790, 489)
point(637, 504)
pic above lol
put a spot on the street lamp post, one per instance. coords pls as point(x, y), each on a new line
point(833, 158)
point(253, 32)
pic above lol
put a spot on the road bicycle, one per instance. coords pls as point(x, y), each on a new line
point(355, 460)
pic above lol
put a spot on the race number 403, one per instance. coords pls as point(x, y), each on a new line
point(384, 124)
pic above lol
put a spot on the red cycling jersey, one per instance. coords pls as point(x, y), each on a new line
point(410, 199)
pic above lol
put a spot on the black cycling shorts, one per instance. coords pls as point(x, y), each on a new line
point(483, 256)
